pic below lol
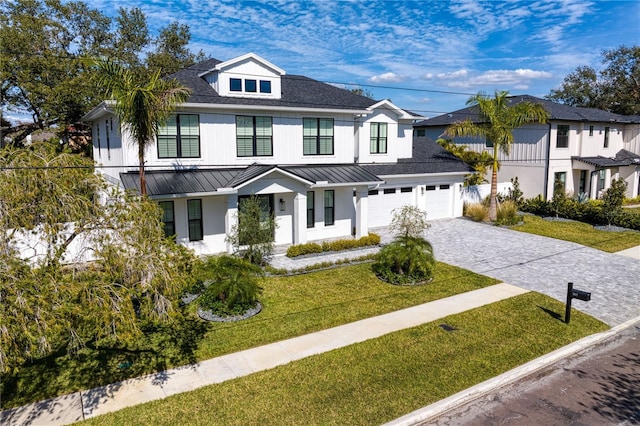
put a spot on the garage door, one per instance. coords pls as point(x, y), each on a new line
point(383, 201)
point(439, 201)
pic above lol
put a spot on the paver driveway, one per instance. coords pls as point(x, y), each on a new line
point(542, 264)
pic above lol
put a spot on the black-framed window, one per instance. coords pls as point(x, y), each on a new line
point(317, 136)
point(583, 181)
point(311, 209)
point(254, 136)
point(168, 218)
point(406, 189)
point(250, 86)
point(562, 138)
point(98, 140)
point(378, 143)
point(590, 130)
point(235, 84)
point(607, 131)
point(560, 180)
point(179, 137)
point(444, 187)
point(329, 207)
point(389, 191)
point(265, 86)
point(430, 187)
point(106, 127)
point(488, 143)
point(194, 215)
point(372, 192)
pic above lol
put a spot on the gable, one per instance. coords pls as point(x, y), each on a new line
point(248, 76)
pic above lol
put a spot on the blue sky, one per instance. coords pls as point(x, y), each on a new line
point(428, 47)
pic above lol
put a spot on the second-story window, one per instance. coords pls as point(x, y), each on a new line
point(254, 136)
point(265, 86)
point(562, 140)
point(250, 85)
point(317, 136)
point(235, 84)
point(378, 138)
point(607, 130)
point(180, 137)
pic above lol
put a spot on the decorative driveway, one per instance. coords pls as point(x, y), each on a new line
point(543, 264)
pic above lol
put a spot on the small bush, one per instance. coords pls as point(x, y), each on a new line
point(302, 249)
point(406, 261)
point(232, 286)
point(477, 212)
point(507, 213)
point(337, 245)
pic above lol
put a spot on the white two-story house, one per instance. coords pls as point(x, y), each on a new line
point(329, 163)
point(583, 148)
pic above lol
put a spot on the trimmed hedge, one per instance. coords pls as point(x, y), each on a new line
point(337, 245)
point(592, 212)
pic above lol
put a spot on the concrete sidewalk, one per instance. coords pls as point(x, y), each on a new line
point(86, 404)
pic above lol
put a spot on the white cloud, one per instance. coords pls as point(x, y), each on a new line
point(388, 77)
point(453, 75)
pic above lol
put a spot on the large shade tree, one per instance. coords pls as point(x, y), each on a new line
point(497, 118)
point(141, 107)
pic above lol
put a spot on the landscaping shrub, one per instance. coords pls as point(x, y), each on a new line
point(337, 245)
point(507, 213)
point(406, 261)
point(409, 258)
point(477, 212)
point(232, 287)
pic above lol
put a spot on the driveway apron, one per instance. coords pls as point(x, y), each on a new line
point(543, 264)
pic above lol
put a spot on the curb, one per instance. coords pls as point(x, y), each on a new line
point(436, 409)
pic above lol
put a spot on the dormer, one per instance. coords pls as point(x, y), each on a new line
point(247, 76)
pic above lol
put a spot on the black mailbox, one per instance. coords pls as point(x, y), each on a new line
point(581, 295)
point(574, 294)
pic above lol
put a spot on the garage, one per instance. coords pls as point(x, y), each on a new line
point(438, 201)
point(383, 201)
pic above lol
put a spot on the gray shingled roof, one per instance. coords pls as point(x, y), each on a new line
point(297, 91)
point(557, 111)
point(622, 158)
point(427, 157)
point(207, 181)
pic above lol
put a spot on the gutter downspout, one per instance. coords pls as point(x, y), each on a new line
point(546, 166)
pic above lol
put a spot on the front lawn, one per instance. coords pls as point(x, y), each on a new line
point(381, 379)
point(581, 233)
point(292, 306)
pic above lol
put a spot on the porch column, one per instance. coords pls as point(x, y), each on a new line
point(362, 212)
point(231, 218)
point(607, 179)
point(300, 218)
point(593, 193)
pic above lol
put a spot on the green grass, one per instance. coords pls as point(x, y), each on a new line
point(292, 306)
point(581, 233)
point(381, 379)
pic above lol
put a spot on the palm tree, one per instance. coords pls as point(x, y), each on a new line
point(141, 107)
point(497, 121)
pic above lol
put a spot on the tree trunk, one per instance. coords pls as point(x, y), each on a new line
point(143, 180)
point(493, 204)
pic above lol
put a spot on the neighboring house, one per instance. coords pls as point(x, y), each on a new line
point(328, 162)
point(584, 148)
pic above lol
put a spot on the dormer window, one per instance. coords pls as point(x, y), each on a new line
point(265, 86)
point(235, 85)
point(250, 86)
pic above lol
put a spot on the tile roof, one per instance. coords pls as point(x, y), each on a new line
point(557, 111)
point(297, 91)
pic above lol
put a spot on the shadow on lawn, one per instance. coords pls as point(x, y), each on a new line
point(551, 313)
point(160, 347)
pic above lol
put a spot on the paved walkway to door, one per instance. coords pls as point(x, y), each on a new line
point(543, 264)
